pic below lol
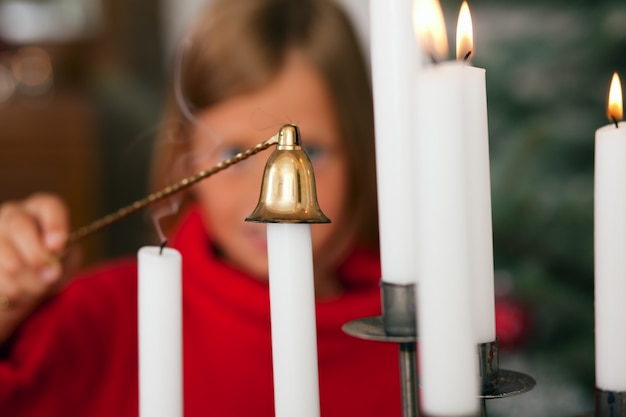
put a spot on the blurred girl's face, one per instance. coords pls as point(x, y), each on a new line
point(299, 96)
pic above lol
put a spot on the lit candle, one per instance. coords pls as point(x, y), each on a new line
point(292, 308)
point(471, 119)
point(476, 133)
point(160, 332)
point(395, 57)
point(447, 340)
point(610, 246)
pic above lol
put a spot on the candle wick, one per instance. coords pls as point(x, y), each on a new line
point(467, 56)
point(615, 121)
point(433, 59)
point(162, 246)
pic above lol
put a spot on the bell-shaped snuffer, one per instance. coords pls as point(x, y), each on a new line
point(288, 193)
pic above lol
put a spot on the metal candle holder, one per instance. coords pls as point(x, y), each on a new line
point(608, 404)
point(496, 382)
point(398, 325)
point(499, 383)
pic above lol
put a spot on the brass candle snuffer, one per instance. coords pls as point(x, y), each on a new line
point(288, 193)
point(288, 163)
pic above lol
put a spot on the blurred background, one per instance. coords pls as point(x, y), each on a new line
point(549, 64)
point(81, 85)
point(81, 89)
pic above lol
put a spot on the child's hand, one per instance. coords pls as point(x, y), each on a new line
point(33, 233)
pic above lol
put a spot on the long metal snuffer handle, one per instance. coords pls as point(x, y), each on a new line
point(185, 183)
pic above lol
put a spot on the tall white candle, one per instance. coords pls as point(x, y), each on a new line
point(292, 307)
point(610, 248)
point(395, 57)
point(160, 332)
point(476, 133)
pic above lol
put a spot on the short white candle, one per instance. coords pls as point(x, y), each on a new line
point(610, 249)
point(292, 307)
point(395, 56)
point(160, 332)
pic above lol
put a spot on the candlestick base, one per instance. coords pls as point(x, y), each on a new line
point(398, 324)
point(500, 383)
point(510, 383)
point(373, 328)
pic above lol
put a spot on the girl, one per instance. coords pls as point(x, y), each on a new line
point(247, 68)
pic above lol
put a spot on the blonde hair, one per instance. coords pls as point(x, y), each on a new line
point(239, 46)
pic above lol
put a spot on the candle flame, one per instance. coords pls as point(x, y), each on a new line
point(614, 109)
point(430, 28)
point(464, 33)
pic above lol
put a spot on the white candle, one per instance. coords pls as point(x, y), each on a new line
point(395, 57)
point(476, 133)
point(292, 307)
point(446, 325)
point(448, 355)
point(160, 332)
point(472, 120)
point(610, 248)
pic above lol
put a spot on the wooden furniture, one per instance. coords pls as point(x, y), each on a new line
point(48, 144)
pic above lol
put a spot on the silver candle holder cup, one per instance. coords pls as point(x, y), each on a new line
point(398, 307)
point(496, 382)
point(608, 403)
